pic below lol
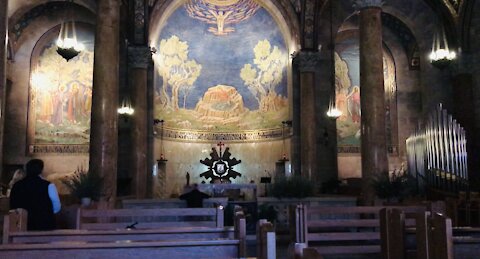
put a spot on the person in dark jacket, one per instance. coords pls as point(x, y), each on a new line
point(194, 197)
point(37, 196)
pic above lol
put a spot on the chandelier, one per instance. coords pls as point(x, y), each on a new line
point(333, 112)
point(67, 45)
point(441, 56)
point(126, 108)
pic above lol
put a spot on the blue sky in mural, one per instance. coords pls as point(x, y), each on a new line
point(350, 52)
point(222, 57)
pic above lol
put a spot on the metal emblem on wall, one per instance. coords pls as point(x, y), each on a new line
point(220, 166)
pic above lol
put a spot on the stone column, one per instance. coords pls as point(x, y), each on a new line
point(304, 139)
point(372, 96)
point(3, 73)
point(104, 122)
point(464, 112)
point(139, 58)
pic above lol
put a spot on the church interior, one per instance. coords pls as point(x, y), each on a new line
point(263, 104)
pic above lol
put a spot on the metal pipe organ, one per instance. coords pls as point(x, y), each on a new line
point(437, 153)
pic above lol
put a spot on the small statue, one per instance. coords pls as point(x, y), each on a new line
point(188, 179)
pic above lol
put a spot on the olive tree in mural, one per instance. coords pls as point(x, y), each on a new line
point(263, 79)
point(178, 72)
point(221, 13)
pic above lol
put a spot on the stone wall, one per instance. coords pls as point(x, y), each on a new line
point(257, 159)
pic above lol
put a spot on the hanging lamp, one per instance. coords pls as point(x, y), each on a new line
point(67, 44)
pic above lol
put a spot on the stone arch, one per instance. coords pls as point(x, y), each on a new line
point(24, 20)
point(19, 74)
point(77, 89)
point(168, 93)
point(23, 7)
point(407, 80)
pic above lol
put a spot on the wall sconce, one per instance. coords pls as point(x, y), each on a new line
point(441, 56)
point(332, 112)
point(67, 45)
point(126, 108)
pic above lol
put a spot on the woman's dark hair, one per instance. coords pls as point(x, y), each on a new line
point(34, 167)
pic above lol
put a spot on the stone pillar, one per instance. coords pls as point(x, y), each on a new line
point(464, 112)
point(304, 139)
point(104, 122)
point(280, 168)
point(372, 96)
point(3, 73)
point(161, 180)
point(139, 58)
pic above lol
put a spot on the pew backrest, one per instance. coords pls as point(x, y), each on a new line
point(352, 229)
point(197, 240)
point(149, 218)
point(433, 235)
point(218, 248)
point(14, 221)
point(266, 240)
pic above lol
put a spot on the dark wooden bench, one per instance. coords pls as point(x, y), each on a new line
point(170, 203)
point(104, 219)
point(266, 240)
point(434, 237)
point(217, 248)
point(343, 230)
point(123, 243)
point(16, 232)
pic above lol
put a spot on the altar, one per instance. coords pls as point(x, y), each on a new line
point(229, 190)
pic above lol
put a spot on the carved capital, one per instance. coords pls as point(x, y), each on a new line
point(362, 4)
point(139, 56)
point(306, 61)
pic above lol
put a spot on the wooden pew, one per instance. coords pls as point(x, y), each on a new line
point(343, 230)
point(191, 242)
point(17, 235)
point(218, 248)
point(104, 219)
point(30, 237)
point(266, 241)
point(170, 203)
point(434, 234)
point(15, 220)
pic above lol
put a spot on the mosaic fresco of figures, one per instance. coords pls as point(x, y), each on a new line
point(61, 95)
point(347, 82)
point(221, 66)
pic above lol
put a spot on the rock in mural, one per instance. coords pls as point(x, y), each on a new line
point(220, 103)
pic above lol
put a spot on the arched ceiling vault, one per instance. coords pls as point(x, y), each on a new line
point(283, 12)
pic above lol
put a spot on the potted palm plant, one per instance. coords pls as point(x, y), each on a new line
point(85, 185)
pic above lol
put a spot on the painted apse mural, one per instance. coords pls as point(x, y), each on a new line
point(61, 96)
point(221, 71)
point(347, 82)
point(220, 75)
